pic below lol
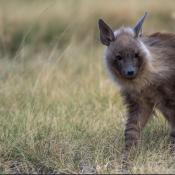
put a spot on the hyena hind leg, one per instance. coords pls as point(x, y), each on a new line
point(172, 137)
point(169, 114)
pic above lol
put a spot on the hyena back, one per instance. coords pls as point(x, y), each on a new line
point(144, 68)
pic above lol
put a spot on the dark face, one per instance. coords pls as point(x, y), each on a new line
point(124, 58)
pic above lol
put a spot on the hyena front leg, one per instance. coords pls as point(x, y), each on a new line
point(138, 115)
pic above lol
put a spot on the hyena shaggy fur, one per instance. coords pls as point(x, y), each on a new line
point(144, 67)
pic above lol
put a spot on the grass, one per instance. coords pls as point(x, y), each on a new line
point(58, 109)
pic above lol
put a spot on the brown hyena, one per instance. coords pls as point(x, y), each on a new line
point(144, 67)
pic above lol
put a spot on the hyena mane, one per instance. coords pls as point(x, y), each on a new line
point(144, 67)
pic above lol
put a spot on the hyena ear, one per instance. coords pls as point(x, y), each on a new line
point(106, 33)
point(138, 27)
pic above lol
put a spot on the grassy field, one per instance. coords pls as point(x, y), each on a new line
point(59, 111)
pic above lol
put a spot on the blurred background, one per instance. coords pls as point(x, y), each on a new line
point(59, 112)
point(46, 23)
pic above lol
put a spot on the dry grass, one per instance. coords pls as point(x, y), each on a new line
point(58, 110)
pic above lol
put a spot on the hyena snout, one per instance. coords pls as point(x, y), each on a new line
point(129, 72)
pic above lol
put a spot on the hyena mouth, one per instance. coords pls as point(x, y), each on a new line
point(130, 78)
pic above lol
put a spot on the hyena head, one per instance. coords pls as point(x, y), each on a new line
point(125, 55)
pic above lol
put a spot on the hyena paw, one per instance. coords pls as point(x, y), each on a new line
point(126, 164)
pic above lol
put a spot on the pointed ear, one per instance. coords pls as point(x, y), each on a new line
point(106, 33)
point(138, 27)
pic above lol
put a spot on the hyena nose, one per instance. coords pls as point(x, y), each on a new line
point(130, 73)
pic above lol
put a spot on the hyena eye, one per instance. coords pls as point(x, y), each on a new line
point(118, 57)
point(136, 55)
